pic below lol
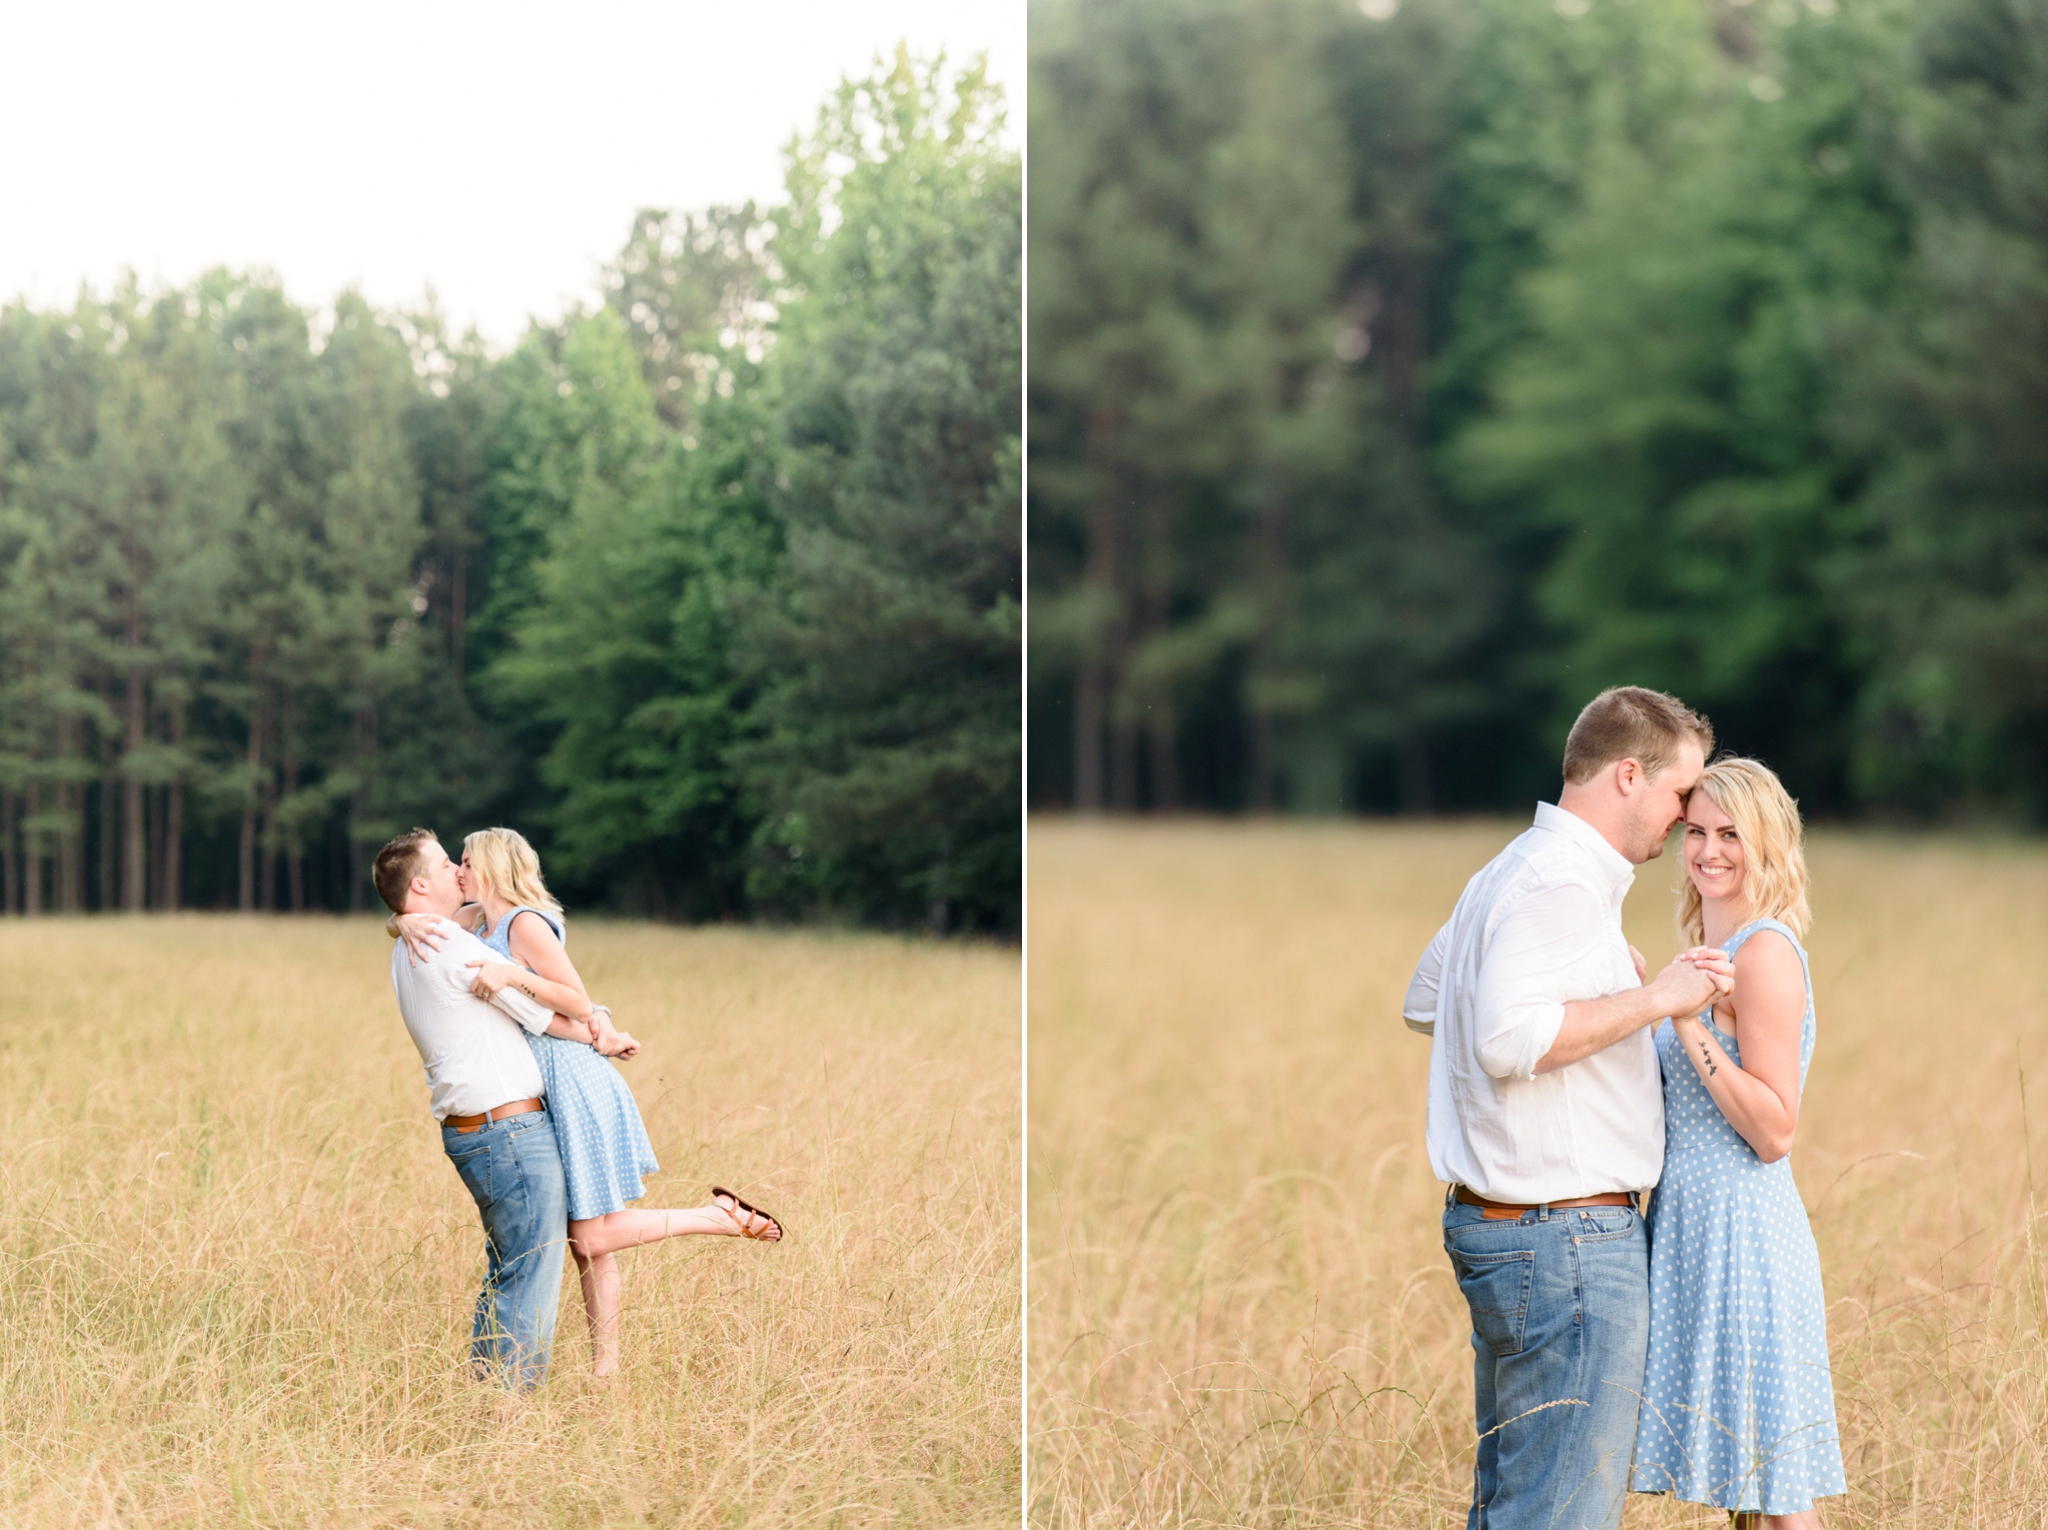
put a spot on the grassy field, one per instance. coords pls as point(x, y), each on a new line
point(1240, 1312)
point(238, 1267)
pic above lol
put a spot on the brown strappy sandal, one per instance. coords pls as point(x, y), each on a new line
point(747, 1228)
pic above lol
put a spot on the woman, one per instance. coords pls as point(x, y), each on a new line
point(602, 1141)
point(1738, 1408)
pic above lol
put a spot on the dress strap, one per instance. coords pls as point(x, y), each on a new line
point(553, 921)
point(1757, 925)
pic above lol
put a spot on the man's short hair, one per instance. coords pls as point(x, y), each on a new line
point(1627, 722)
point(398, 863)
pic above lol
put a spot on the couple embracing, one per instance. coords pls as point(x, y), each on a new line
point(1686, 1353)
point(538, 1123)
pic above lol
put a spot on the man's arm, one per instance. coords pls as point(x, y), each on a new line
point(1535, 954)
point(1418, 1009)
point(1685, 987)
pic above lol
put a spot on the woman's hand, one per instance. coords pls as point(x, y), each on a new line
point(422, 934)
point(606, 1038)
point(1642, 965)
point(494, 977)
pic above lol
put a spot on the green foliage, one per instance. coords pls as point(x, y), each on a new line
point(1951, 584)
point(1231, 214)
point(625, 657)
point(734, 553)
point(888, 650)
point(1694, 346)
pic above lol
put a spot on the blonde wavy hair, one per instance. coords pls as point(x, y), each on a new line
point(505, 863)
point(1766, 820)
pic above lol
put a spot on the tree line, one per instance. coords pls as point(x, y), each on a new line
point(1404, 372)
point(713, 587)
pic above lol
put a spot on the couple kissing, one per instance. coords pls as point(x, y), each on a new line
point(538, 1123)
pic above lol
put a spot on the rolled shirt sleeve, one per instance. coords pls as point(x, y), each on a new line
point(527, 1012)
point(1418, 1009)
point(1528, 976)
point(531, 1014)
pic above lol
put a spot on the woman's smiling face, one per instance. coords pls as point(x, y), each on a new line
point(1713, 851)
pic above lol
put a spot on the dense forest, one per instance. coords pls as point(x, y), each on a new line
point(1402, 372)
point(712, 587)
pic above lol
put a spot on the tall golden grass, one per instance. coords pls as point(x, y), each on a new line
point(1240, 1312)
point(238, 1267)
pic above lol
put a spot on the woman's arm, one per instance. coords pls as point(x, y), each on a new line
point(421, 932)
point(561, 997)
point(569, 1030)
point(533, 943)
point(1760, 1098)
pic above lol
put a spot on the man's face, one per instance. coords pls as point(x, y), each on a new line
point(436, 884)
point(1659, 802)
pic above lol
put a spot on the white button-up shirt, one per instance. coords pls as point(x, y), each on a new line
point(476, 1057)
point(1536, 928)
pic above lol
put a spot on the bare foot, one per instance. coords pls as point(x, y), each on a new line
point(747, 1221)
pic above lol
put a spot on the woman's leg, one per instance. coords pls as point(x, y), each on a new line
point(599, 1277)
point(597, 1236)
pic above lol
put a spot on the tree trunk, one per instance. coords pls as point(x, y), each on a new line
point(155, 803)
point(1123, 764)
point(1164, 757)
point(110, 816)
point(1098, 585)
point(358, 801)
point(246, 855)
point(174, 831)
point(1265, 793)
point(70, 887)
point(1416, 798)
point(170, 859)
point(1270, 552)
point(8, 903)
point(32, 851)
point(295, 852)
point(134, 864)
point(458, 610)
point(1162, 732)
point(266, 851)
point(1088, 710)
point(32, 873)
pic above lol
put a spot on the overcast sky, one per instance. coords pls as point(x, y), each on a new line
point(494, 151)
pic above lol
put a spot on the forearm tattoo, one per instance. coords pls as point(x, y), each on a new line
point(523, 988)
point(1707, 1057)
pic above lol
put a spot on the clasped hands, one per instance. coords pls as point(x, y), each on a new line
point(1696, 978)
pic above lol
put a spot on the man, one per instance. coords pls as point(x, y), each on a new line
point(485, 1090)
point(1546, 1114)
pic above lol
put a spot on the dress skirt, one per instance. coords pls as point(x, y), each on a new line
point(603, 1144)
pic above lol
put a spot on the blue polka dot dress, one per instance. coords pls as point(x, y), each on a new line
point(598, 1130)
point(1738, 1401)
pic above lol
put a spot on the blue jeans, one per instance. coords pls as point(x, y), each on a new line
point(1560, 1331)
point(514, 1173)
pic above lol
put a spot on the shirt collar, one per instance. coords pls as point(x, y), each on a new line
point(1614, 867)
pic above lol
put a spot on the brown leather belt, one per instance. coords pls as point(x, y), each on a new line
point(495, 1113)
point(1502, 1209)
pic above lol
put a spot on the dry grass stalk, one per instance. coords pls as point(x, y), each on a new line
point(1240, 1311)
point(238, 1266)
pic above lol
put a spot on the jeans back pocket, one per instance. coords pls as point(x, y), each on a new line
point(1496, 1288)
